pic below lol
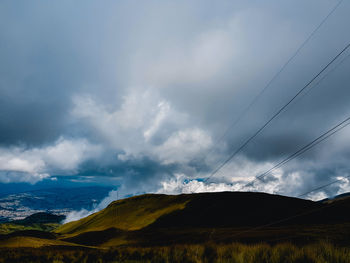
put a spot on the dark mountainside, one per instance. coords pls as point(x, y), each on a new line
point(41, 218)
point(244, 210)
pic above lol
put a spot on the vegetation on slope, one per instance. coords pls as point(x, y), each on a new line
point(162, 228)
point(128, 214)
point(236, 253)
point(41, 218)
point(32, 242)
point(207, 209)
point(39, 221)
point(7, 228)
point(164, 219)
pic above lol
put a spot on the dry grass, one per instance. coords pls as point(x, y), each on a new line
point(235, 253)
point(129, 214)
point(32, 242)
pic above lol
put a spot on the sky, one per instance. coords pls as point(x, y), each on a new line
point(140, 95)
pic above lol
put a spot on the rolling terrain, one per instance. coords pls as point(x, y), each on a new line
point(17, 206)
point(154, 219)
point(195, 218)
point(38, 221)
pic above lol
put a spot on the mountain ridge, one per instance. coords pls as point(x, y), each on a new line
point(248, 217)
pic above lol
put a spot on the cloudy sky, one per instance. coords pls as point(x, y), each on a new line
point(140, 94)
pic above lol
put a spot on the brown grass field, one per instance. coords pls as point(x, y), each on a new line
point(235, 252)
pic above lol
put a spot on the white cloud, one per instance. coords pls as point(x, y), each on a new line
point(163, 110)
point(316, 196)
point(76, 215)
point(142, 117)
point(183, 145)
point(278, 182)
point(139, 114)
point(179, 185)
point(7, 176)
point(18, 164)
point(233, 178)
point(68, 154)
point(241, 168)
point(344, 184)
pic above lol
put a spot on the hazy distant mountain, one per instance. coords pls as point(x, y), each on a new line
point(58, 201)
point(41, 218)
point(41, 221)
point(336, 198)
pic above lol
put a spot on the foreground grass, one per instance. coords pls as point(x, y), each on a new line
point(281, 253)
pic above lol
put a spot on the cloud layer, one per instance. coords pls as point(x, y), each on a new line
point(18, 164)
point(144, 92)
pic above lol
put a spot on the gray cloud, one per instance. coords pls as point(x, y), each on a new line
point(147, 88)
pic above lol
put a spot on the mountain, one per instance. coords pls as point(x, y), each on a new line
point(128, 214)
point(59, 201)
point(336, 198)
point(162, 219)
point(41, 218)
point(225, 217)
point(39, 221)
point(225, 209)
point(190, 210)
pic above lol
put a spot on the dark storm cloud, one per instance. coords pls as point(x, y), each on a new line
point(37, 76)
point(141, 91)
point(49, 51)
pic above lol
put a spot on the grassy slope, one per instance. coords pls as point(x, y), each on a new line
point(7, 228)
point(41, 221)
point(190, 210)
point(193, 218)
point(33, 242)
point(196, 218)
point(128, 214)
point(134, 220)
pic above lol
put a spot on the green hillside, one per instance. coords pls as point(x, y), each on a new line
point(7, 228)
point(128, 214)
point(39, 221)
point(225, 217)
point(188, 210)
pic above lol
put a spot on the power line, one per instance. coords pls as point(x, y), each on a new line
point(294, 216)
point(276, 114)
point(329, 133)
point(305, 148)
point(321, 79)
point(280, 71)
point(280, 164)
point(281, 220)
point(297, 215)
point(257, 97)
point(324, 186)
